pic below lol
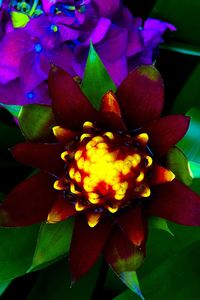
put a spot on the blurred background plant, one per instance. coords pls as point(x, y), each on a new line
point(172, 269)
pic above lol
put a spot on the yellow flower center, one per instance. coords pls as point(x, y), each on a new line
point(105, 171)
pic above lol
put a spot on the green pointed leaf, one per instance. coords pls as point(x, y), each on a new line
point(190, 144)
point(16, 251)
point(53, 242)
point(160, 223)
point(3, 286)
point(36, 121)
point(96, 81)
point(182, 48)
point(19, 19)
point(9, 135)
point(190, 93)
point(179, 165)
point(55, 283)
point(130, 279)
point(13, 109)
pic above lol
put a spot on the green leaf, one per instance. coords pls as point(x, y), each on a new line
point(13, 109)
point(189, 94)
point(53, 242)
point(178, 164)
point(190, 144)
point(194, 169)
point(3, 286)
point(160, 224)
point(16, 251)
point(55, 283)
point(96, 81)
point(184, 15)
point(130, 279)
point(36, 121)
point(9, 135)
point(19, 19)
point(182, 48)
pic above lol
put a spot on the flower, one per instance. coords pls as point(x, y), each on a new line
point(106, 168)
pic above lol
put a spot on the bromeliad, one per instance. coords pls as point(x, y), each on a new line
point(107, 169)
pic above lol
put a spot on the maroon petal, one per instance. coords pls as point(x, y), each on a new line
point(134, 226)
point(165, 132)
point(176, 202)
point(70, 105)
point(61, 210)
point(140, 96)
point(121, 254)
point(29, 202)
point(87, 244)
point(42, 156)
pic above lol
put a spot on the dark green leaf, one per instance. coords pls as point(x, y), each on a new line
point(131, 280)
point(178, 163)
point(96, 81)
point(189, 94)
point(16, 251)
point(160, 224)
point(3, 286)
point(53, 242)
point(36, 121)
point(55, 283)
point(190, 144)
point(184, 15)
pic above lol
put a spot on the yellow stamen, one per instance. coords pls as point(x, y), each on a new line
point(140, 177)
point(64, 155)
point(109, 134)
point(146, 192)
point(143, 138)
point(136, 159)
point(84, 135)
point(71, 173)
point(80, 163)
point(73, 190)
point(93, 198)
point(77, 176)
point(58, 185)
point(149, 161)
point(112, 209)
point(79, 206)
point(88, 124)
point(78, 154)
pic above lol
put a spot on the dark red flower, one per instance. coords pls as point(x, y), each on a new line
point(105, 168)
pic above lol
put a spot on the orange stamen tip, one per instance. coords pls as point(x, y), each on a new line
point(58, 185)
point(88, 124)
point(169, 175)
point(93, 219)
point(79, 206)
point(64, 155)
point(146, 192)
point(143, 138)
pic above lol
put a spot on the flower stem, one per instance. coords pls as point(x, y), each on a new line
point(35, 3)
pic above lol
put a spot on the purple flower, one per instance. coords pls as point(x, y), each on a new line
point(29, 57)
point(13, 94)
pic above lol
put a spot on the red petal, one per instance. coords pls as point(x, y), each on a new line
point(42, 156)
point(141, 96)
point(111, 113)
point(87, 244)
point(70, 105)
point(29, 202)
point(160, 175)
point(165, 132)
point(121, 254)
point(134, 226)
point(61, 210)
point(176, 202)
